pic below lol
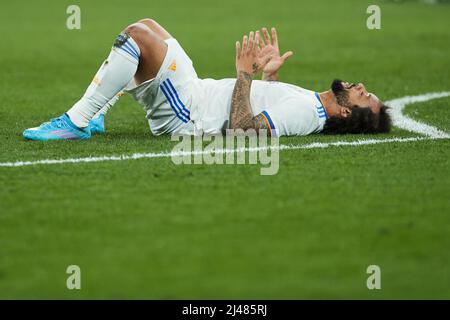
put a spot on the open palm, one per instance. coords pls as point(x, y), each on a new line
point(269, 47)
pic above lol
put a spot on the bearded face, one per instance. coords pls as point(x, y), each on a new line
point(340, 93)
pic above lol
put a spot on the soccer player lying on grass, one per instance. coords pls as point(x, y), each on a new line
point(147, 62)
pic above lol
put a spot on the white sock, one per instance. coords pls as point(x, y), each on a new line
point(108, 105)
point(112, 77)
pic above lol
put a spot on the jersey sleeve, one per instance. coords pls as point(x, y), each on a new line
point(290, 119)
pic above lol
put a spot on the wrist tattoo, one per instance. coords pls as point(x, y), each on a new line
point(255, 67)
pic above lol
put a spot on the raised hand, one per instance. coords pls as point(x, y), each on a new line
point(269, 46)
point(249, 58)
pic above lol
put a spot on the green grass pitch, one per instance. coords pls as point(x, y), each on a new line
point(150, 229)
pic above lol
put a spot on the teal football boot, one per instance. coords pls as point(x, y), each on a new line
point(97, 125)
point(61, 128)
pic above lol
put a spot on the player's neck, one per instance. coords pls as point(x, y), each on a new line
point(330, 103)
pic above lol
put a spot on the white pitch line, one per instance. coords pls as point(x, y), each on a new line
point(149, 155)
point(404, 122)
point(398, 118)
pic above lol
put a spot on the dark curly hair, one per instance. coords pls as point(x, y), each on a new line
point(361, 120)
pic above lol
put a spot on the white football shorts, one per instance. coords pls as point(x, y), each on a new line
point(167, 98)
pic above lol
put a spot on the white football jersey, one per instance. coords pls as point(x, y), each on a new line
point(288, 109)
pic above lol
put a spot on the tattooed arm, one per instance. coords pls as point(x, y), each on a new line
point(249, 62)
point(241, 116)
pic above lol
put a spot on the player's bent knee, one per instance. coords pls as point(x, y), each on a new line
point(136, 30)
point(156, 28)
point(148, 22)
